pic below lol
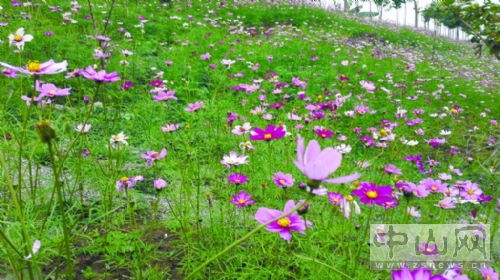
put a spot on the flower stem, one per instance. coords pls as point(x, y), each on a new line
point(235, 243)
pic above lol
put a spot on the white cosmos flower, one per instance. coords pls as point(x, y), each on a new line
point(36, 246)
point(433, 115)
point(411, 143)
point(445, 132)
point(119, 138)
point(343, 148)
point(19, 38)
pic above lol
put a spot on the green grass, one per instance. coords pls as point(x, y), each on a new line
point(167, 234)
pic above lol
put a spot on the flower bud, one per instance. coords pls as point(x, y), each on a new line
point(45, 131)
point(303, 210)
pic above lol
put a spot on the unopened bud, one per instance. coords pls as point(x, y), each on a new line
point(45, 131)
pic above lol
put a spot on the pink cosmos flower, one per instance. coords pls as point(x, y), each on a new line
point(192, 107)
point(127, 183)
point(434, 186)
point(163, 96)
point(317, 165)
point(169, 127)
point(369, 86)
point(369, 193)
point(324, 133)
point(50, 90)
point(82, 129)
point(446, 203)
point(152, 156)
point(239, 130)
point(159, 184)
point(346, 206)
point(271, 133)
point(242, 199)
point(283, 180)
point(391, 169)
point(100, 76)
point(284, 225)
point(489, 273)
point(36, 68)
point(470, 191)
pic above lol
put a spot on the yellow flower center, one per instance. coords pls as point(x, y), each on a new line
point(336, 200)
point(488, 277)
point(155, 155)
point(429, 249)
point(319, 97)
point(434, 188)
point(237, 180)
point(442, 204)
point(241, 201)
point(349, 198)
point(124, 180)
point(18, 38)
point(470, 192)
point(285, 222)
point(280, 123)
point(34, 66)
point(7, 71)
point(371, 194)
point(453, 111)
point(242, 129)
point(268, 136)
point(52, 92)
point(282, 181)
point(383, 132)
point(380, 231)
point(323, 135)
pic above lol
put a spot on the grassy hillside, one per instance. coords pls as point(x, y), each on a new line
point(412, 113)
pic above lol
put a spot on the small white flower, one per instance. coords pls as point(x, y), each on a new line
point(36, 246)
point(433, 115)
point(246, 146)
point(445, 132)
point(19, 38)
point(411, 143)
point(119, 138)
point(344, 149)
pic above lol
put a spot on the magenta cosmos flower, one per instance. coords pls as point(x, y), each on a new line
point(152, 156)
point(283, 180)
point(100, 76)
point(269, 134)
point(335, 198)
point(317, 165)
point(237, 179)
point(242, 199)
point(417, 274)
point(36, 68)
point(284, 225)
point(125, 182)
point(369, 193)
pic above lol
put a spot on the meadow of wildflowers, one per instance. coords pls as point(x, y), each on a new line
point(234, 140)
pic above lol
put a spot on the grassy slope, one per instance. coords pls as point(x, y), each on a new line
point(323, 34)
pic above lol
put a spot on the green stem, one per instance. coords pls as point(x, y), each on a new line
point(323, 264)
point(57, 186)
point(235, 243)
